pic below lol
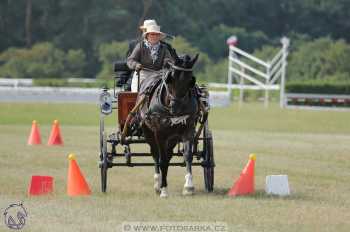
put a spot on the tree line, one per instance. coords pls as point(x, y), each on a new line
point(56, 39)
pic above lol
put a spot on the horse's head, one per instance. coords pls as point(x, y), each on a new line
point(180, 81)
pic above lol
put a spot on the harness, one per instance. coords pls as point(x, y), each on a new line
point(161, 107)
point(162, 111)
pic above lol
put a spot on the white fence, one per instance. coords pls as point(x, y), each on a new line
point(49, 94)
point(15, 82)
point(247, 72)
point(29, 82)
point(75, 95)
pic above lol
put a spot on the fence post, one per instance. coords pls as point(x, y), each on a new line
point(267, 82)
point(285, 44)
point(241, 90)
point(231, 42)
point(229, 77)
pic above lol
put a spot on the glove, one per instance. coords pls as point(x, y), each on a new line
point(138, 67)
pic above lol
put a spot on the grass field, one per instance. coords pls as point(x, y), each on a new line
point(311, 147)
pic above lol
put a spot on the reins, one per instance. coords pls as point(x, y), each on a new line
point(144, 98)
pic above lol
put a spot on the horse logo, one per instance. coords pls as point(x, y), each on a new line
point(15, 216)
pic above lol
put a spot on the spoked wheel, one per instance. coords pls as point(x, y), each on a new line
point(209, 160)
point(104, 162)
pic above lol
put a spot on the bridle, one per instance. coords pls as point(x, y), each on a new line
point(165, 85)
point(181, 68)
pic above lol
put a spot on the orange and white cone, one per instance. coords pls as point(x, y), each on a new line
point(34, 137)
point(245, 183)
point(55, 136)
point(76, 183)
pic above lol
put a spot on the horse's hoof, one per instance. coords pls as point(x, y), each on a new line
point(188, 191)
point(164, 193)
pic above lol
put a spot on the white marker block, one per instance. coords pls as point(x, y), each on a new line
point(277, 185)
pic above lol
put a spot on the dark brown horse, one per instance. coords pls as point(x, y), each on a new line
point(170, 117)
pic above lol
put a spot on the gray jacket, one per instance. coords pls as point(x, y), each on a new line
point(142, 55)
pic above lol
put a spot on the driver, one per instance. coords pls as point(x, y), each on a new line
point(148, 57)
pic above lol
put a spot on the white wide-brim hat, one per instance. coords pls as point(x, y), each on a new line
point(147, 23)
point(154, 29)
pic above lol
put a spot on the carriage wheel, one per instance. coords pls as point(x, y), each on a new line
point(209, 160)
point(104, 162)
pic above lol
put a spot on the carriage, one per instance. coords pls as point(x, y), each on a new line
point(116, 150)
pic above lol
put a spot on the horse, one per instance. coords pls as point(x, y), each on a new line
point(170, 117)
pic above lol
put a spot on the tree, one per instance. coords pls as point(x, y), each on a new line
point(215, 73)
point(75, 63)
point(146, 6)
point(320, 59)
point(109, 53)
point(86, 24)
point(43, 60)
point(182, 47)
point(214, 42)
point(28, 23)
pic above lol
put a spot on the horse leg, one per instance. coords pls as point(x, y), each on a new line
point(155, 154)
point(164, 172)
point(157, 175)
point(188, 156)
point(164, 164)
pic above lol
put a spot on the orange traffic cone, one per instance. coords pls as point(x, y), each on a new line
point(55, 136)
point(245, 183)
point(34, 137)
point(76, 184)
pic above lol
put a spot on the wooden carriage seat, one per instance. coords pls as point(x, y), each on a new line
point(126, 102)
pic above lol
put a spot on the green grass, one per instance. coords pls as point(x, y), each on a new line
point(311, 147)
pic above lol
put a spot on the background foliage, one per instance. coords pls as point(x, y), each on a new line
point(61, 39)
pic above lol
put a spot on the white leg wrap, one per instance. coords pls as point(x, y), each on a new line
point(157, 179)
point(188, 186)
point(188, 181)
point(164, 192)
